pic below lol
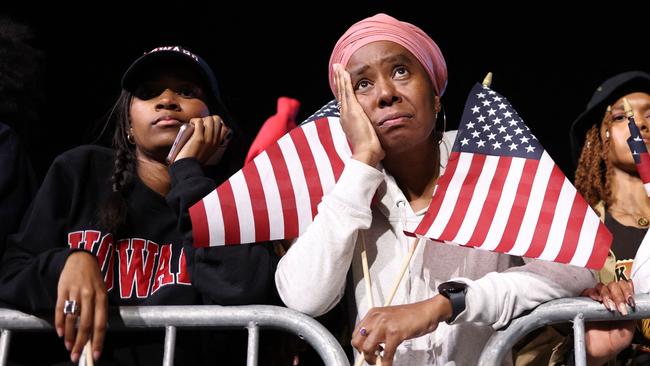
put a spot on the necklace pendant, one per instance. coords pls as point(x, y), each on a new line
point(642, 221)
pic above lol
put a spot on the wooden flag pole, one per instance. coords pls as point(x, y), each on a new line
point(366, 272)
point(88, 354)
point(488, 80)
point(398, 280)
point(366, 280)
point(405, 265)
point(627, 108)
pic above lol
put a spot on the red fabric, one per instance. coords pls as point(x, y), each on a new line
point(275, 127)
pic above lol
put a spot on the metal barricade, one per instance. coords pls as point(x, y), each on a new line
point(576, 310)
point(250, 317)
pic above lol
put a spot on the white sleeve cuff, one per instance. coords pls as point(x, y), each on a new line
point(357, 184)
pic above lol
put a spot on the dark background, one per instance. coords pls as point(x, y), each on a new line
point(547, 60)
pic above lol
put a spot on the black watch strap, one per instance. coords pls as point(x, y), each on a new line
point(455, 292)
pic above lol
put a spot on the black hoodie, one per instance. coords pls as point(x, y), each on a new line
point(150, 261)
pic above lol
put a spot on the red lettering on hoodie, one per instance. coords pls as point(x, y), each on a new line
point(182, 277)
point(137, 268)
point(75, 238)
point(163, 274)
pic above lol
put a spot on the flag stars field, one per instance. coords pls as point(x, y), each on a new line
point(524, 204)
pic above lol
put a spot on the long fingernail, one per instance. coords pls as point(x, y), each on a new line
point(610, 305)
point(96, 355)
point(59, 332)
point(622, 309)
point(630, 300)
point(74, 357)
point(68, 345)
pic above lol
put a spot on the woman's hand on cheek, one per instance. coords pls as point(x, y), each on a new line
point(210, 135)
point(357, 126)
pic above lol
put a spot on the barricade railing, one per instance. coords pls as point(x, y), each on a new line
point(169, 318)
point(576, 310)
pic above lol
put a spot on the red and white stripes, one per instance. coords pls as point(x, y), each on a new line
point(277, 194)
point(517, 206)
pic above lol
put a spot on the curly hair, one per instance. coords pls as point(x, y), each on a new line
point(594, 172)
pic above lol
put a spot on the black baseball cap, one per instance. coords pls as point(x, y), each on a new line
point(177, 55)
point(607, 93)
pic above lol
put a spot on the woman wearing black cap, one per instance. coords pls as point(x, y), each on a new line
point(111, 227)
point(607, 177)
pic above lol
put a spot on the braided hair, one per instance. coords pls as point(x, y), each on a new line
point(594, 174)
point(113, 213)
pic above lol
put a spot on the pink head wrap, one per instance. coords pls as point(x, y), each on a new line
point(382, 27)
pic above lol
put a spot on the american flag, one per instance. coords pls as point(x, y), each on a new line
point(641, 264)
point(502, 192)
point(276, 195)
point(639, 153)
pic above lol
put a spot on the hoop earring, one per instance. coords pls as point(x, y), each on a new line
point(130, 138)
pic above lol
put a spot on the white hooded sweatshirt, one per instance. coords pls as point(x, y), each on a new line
point(312, 276)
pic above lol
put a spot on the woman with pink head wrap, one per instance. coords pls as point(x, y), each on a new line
point(388, 77)
point(382, 27)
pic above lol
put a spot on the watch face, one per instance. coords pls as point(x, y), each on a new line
point(455, 292)
point(452, 287)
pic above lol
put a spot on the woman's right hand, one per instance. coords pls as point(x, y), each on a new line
point(357, 126)
point(392, 325)
point(210, 134)
point(81, 280)
point(614, 296)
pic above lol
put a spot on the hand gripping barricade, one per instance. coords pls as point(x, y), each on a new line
point(251, 317)
point(576, 310)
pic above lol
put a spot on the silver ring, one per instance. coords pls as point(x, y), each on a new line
point(338, 106)
point(71, 307)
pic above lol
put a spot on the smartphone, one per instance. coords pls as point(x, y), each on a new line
point(184, 134)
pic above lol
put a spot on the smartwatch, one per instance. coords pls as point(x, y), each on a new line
point(455, 292)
